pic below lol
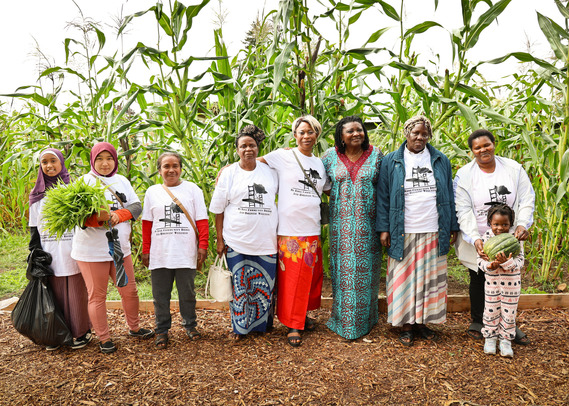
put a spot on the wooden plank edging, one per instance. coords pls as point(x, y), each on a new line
point(456, 303)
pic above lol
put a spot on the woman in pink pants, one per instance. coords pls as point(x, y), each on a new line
point(91, 250)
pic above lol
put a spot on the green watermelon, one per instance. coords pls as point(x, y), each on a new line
point(506, 243)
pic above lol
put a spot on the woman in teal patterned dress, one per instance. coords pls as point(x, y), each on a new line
point(355, 251)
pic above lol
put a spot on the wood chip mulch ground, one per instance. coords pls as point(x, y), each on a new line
point(263, 370)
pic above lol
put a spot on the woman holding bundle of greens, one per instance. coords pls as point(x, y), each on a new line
point(355, 255)
point(246, 223)
point(67, 283)
point(302, 178)
point(174, 220)
point(91, 249)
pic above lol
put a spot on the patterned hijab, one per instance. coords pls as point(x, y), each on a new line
point(44, 181)
point(97, 149)
point(413, 121)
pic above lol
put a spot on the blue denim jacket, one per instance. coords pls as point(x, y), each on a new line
point(391, 199)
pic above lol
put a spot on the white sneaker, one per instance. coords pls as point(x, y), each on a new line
point(490, 345)
point(506, 349)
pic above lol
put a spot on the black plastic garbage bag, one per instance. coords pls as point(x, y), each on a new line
point(36, 315)
point(115, 251)
point(39, 263)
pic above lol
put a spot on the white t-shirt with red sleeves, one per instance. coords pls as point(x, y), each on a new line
point(299, 205)
point(60, 250)
point(173, 242)
point(247, 200)
point(91, 244)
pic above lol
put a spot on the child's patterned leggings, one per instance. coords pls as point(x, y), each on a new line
point(502, 292)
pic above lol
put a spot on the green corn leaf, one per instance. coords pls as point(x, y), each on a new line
point(484, 21)
point(420, 28)
point(551, 31)
point(389, 10)
point(525, 57)
point(562, 9)
point(469, 115)
point(375, 36)
point(280, 65)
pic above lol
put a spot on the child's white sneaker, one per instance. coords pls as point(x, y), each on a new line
point(490, 345)
point(506, 349)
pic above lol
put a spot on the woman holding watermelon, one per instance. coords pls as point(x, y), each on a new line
point(487, 180)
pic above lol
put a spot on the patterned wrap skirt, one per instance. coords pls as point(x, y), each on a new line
point(417, 285)
point(299, 281)
point(252, 307)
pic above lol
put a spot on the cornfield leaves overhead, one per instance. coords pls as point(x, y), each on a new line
point(196, 104)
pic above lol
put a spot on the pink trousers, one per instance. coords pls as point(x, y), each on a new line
point(96, 276)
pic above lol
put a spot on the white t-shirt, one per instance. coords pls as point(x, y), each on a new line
point(247, 199)
point(421, 215)
point(299, 205)
point(62, 263)
point(91, 244)
point(490, 187)
point(173, 243)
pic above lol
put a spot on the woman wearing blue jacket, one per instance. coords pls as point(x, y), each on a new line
point(417, 223)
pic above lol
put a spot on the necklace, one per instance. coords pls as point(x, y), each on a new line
point(354, 157)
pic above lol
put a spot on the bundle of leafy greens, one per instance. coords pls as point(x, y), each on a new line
point(68, 206)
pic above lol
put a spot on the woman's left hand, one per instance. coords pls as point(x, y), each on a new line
point(385, 239)
point(453, 237)
point(115, 219)
point(202, 254)
point(521, 233)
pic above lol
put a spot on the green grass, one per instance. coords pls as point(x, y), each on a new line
point(144, 291)
point(456, 270)
point(13, 254)
point(12, 283)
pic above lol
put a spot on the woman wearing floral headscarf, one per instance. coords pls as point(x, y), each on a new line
point(67, 283)
point(417, 221)
point(91, 250)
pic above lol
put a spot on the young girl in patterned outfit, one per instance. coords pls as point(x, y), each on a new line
point(503, 285)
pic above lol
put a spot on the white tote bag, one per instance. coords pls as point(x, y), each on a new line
point(219, 281)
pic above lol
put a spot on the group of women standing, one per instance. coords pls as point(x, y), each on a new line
point(404, 201)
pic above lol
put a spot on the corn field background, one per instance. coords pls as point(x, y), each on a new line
point(288, 67)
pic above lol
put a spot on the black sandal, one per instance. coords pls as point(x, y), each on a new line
point(309, 324)
point(407, 337)
point(521, 337)
point(427, 333)
point(293, 337)
point(474, 331)
point(193, 334)
point(161, 341)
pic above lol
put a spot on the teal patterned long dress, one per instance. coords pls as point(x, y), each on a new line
point(355, 251)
